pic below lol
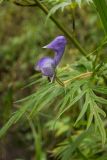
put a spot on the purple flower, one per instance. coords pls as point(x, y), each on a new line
point(47, 65)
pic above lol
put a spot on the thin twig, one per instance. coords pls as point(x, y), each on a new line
point(25, 5)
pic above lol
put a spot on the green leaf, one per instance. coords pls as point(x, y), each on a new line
point(4, 129)
point(61, 6)
point(102, 90)
point(67, 152)
point(101, 7)
point(72, 102)
point(100, 100)
point(90, 118)
point(99, 123)
point(84, 109)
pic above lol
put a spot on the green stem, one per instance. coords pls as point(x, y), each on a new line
point(96, 60)
point(24, 5)
point(73, 20)
point(98, 53)
point(96, 70)
point(62, 28)
point(101, 7)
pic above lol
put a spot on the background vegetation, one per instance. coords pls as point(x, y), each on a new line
point(43, 121)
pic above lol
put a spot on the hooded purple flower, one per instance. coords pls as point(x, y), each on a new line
point(47, 65)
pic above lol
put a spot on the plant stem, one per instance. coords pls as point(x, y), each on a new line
point(24, 5)
point(96, 69)
point(81, 76)
point(98, 53)
point(62, 28)
point(73, 21)
point(96, 60)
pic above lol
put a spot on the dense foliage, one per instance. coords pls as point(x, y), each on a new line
point(47, 120)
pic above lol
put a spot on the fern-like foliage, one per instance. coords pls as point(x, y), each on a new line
point(78, 85)
point(61, 4)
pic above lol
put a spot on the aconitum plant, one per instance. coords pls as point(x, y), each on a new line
point(47, 65)
point(66, 122)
